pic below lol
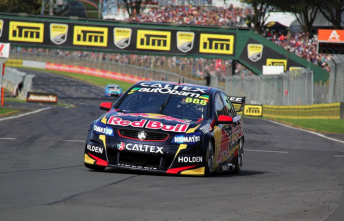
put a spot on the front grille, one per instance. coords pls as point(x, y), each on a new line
point(151, 136)
point(139, 160)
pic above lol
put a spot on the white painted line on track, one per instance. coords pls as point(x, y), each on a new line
point(80, 141)
point(312, 132)
point(338, 155)
point(265, 151)
point(7, 138)
point(25, 114)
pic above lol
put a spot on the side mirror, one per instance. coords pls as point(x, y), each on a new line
point(105, 106)
point(223, 119)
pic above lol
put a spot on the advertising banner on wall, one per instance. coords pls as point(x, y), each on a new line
point(116, 38)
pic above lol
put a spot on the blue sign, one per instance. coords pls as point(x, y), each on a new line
point(191, 138)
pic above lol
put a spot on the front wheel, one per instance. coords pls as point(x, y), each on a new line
point(239, 159)
point(209, 160)
point(94, 167)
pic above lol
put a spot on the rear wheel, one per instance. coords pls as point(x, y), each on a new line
point(239, 159)
point(209, 160)
point(94, 167)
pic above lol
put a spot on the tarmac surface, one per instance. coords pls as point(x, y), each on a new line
point(288, 174)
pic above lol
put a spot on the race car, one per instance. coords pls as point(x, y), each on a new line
point(112, 90)
point(168, 127)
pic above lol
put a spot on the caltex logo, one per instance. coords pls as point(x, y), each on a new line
point(120, 146)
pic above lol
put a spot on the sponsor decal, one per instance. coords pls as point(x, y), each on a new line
point(137, 166)
point(140, 148)
point(277, 62)
point(154, 116)
point(41, 97)
point(253, 110)
point(134, 90)
point(121, 146)
point(58, 33)
point(149, 124)
point(26, 31)
point(254, 52)
point(216, 44)
point(94, 149)
point(191, 138)
point(142, 135)
point(153, 40)
point(122, 37)
point(206, 128)
point(1, 26)
point(90, 36)
point(185, 41)
point(168, 91)
point(185, 159)
point(103, 130)
point(172, 87)
point(235, 99)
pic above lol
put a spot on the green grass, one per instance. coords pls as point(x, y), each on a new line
point(14, 100)
point(90, 79)
point(317, 125)
point(7, 111)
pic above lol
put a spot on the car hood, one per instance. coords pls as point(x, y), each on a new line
point(149, 121)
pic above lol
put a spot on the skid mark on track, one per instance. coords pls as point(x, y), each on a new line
point(102, 187)
point(55, 168)
point(7, 138)
point(312, 132)
point(266, 151)
point(338, 155)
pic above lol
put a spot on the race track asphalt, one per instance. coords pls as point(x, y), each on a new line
point(288, 174)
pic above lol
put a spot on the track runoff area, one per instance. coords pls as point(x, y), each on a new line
point(288, 174)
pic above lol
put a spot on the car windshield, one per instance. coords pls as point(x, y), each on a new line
point(112, 87)
point(178, 106)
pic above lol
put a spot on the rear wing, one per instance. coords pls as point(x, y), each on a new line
point(238, 103)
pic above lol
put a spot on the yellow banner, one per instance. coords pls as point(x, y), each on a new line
point(253, 110)
point(14, 63)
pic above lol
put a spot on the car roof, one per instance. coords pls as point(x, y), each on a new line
point(209, 90)
point(112, 85)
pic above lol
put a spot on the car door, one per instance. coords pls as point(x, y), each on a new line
point(232, 128)
point(222, 131)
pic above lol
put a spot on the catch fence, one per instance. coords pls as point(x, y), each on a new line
point(336, 83)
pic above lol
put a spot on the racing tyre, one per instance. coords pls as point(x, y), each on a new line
point(94, 167)
point(209, 160)
point(239, 159)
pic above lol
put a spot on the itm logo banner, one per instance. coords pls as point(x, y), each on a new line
point(26, 32)
point(1, 26)
point(277, 62)
point(153, 40)
point(216, 44)
point(90, 36)
point(122, 37)
point(58, 33)
point(254, 52)
point(185, 41)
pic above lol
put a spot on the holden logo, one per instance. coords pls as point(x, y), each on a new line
point(120, 146)
point(142, 135)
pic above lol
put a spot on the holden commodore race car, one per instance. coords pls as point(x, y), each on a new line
point(112, 90)
point(168, 127)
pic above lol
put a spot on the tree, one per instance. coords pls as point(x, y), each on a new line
point(332, 11)
point(260, 8)
point(304, 10)
point(135, 7)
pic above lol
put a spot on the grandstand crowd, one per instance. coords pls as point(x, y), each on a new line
point(301, 44)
